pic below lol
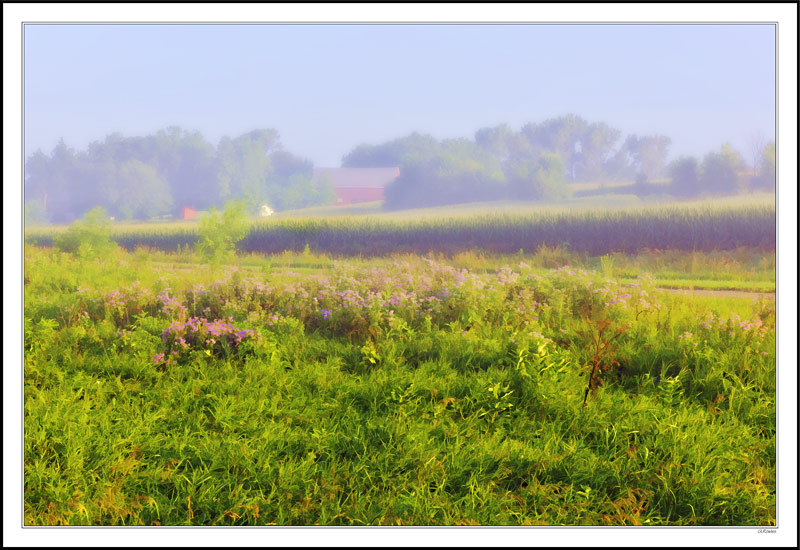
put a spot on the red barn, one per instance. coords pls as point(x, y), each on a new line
point(188, 214)
point(354, 185)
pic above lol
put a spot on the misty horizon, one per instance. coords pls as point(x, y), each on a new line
point(334, 163)
point(333, 87)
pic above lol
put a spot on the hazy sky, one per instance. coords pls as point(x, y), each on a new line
point(327, 88)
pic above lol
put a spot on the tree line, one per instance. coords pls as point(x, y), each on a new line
point(540, 160)
point(156, 175)
point(536, 162)
point(720, 173)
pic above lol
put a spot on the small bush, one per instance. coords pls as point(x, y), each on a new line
point(88, 238)
point(220, 231)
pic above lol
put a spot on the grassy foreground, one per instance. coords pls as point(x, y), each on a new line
point(406, 391)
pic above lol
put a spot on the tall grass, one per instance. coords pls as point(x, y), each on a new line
point(410, 392)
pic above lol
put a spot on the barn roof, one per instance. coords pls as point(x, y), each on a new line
point(357, 177)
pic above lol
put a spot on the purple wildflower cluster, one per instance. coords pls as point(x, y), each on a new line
point(569, 272)
point(118, 304)
point(735, 326)
point(171, 306)
point(356, 300)
point(620, 299)
point(506, 276)
point(218, 337)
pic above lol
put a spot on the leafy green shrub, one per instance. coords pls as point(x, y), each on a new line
point(88, 238)
point(220, 231)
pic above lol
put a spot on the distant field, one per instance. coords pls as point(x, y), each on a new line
point(375, 209)
point(597, 202)
point(592, 226)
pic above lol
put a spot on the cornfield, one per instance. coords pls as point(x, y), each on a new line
point(595, 232)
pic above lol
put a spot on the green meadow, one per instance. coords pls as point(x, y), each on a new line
point(544, 386)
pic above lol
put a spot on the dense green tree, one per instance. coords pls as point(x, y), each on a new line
point(188, 162)
point(733, 157)
point(141, 193)
point(719, 172)
point(596, 148)
point(718, 177)
point(587, 149)
point(460, 172)
point(647, 154)
point(499, 163)
point(49, 178)
point(37, 184)
point(561, 136)
point(618, 166)
point(95, 184)
point(184, 159)
point(256, 169)
point(290, 183)
point(300, 191)
point(539, 178)
point(502, 142)
point(285, 165)
point(244, 166)
point(684, 174)
point(392, 153)
point(495, 139)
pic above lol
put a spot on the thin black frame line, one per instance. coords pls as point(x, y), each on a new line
point(401, 23)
